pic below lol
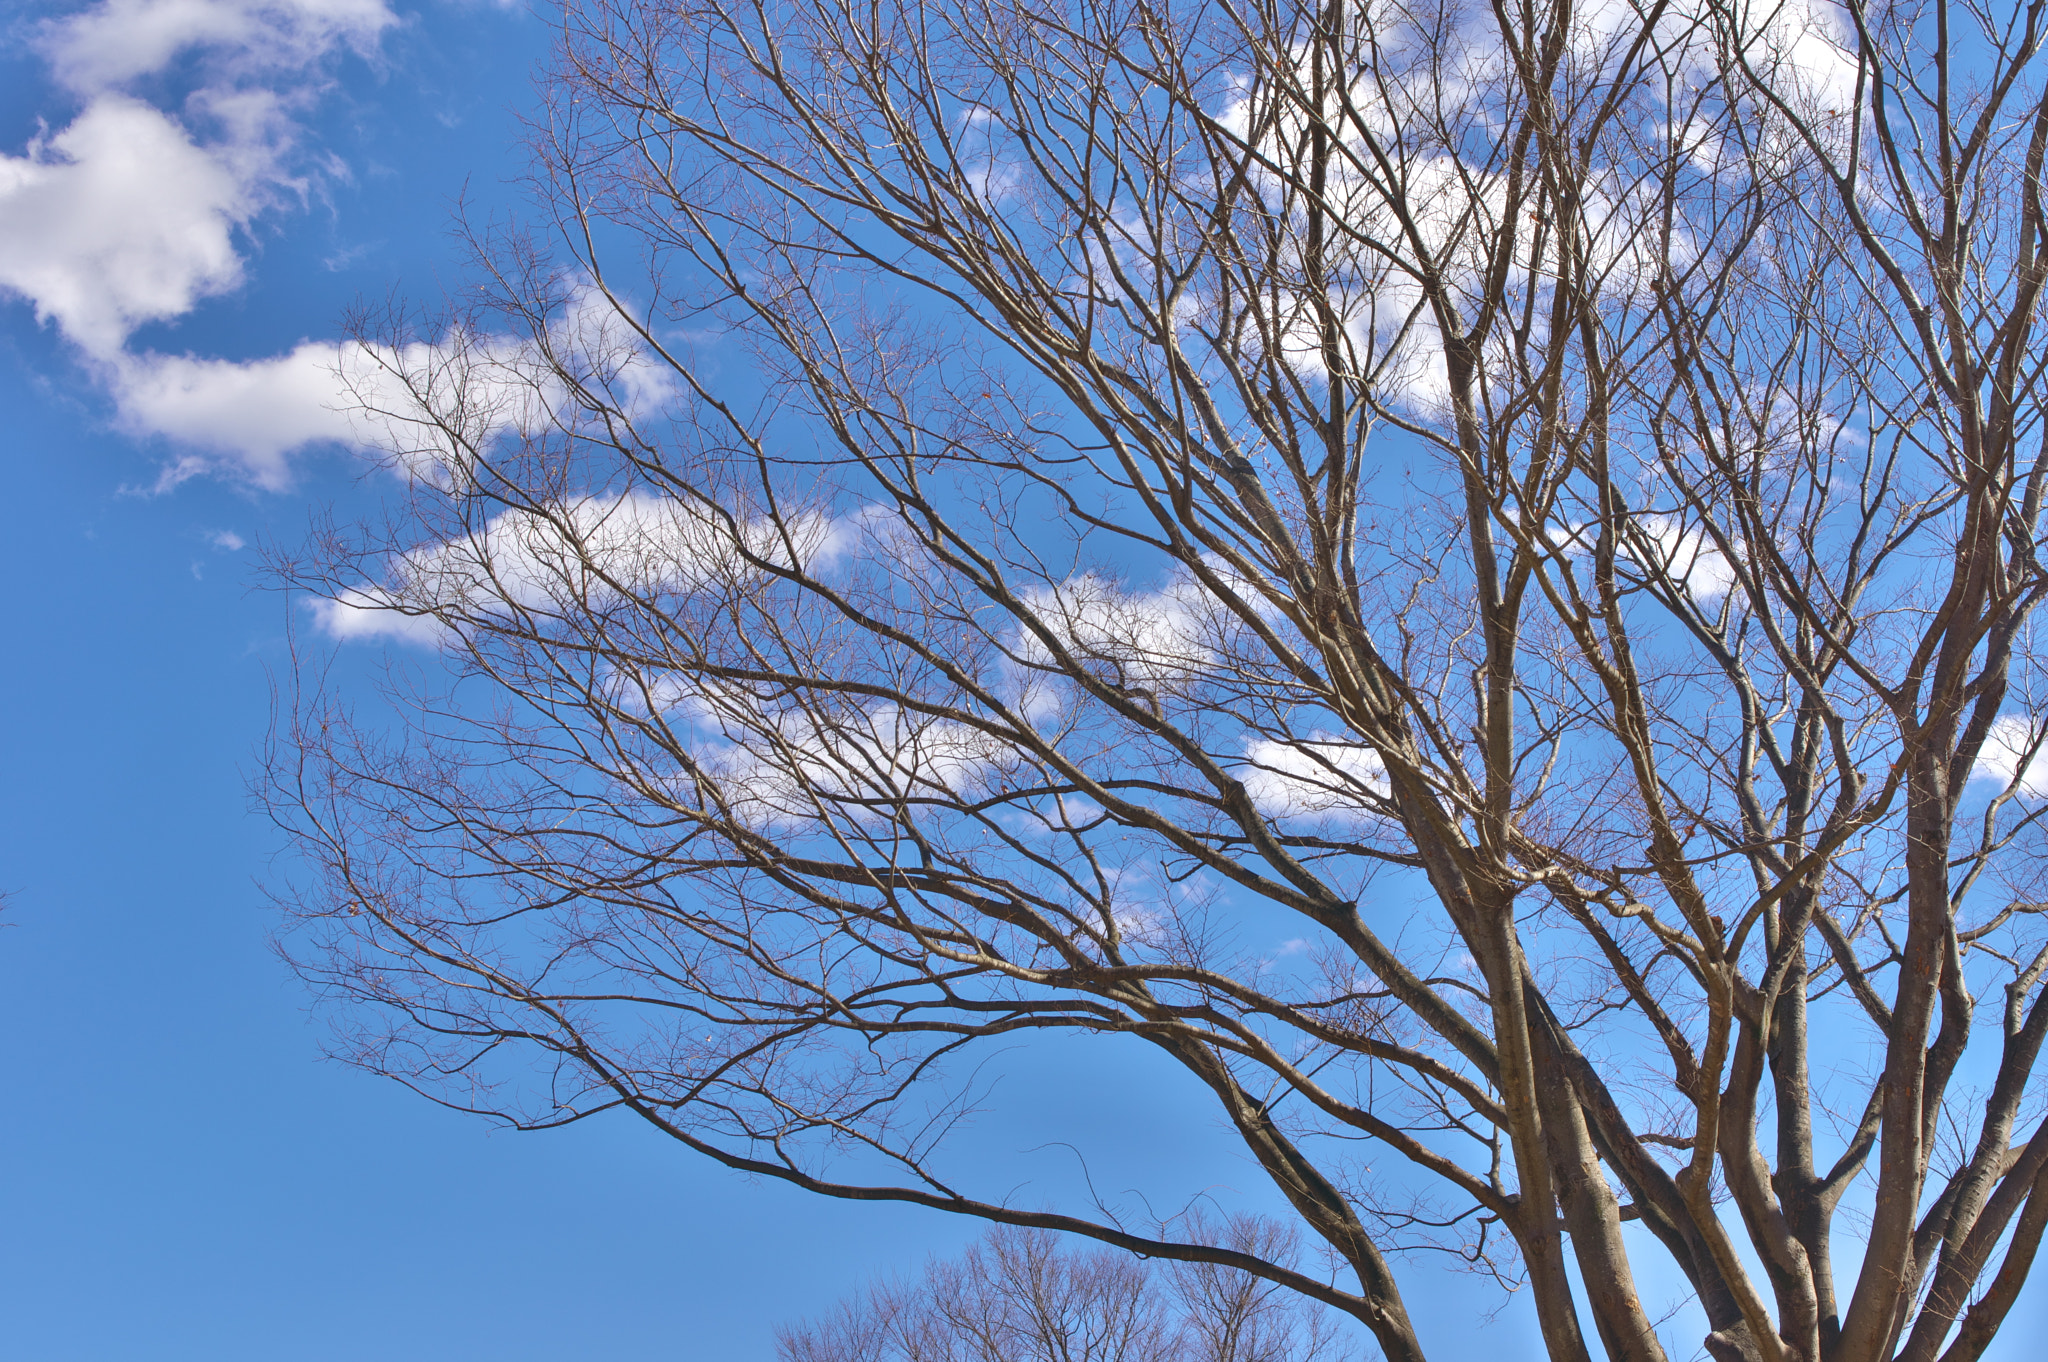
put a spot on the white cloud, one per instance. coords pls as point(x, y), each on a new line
point(1154, 639)
point(579, 555)
point(125, 216)
point(2013, 739)
point(775, 767)
point(1152, 644)
point(129, 214)
point(227, 541)
point(1659, 547)
point(1663, 546)
point(117, 41)
point(367, 614)
point(429, 407)
point(772, 764)
point(118, 220)
point(1315, 778)
point(1437, 210)
point(248, 416)
point(1805, 49)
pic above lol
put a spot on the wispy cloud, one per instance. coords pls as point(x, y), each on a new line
point(242, 41)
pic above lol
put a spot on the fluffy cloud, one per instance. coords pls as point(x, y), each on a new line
point(429, 408)
point(125, 216)
point(1157, 642)
point(1660, 548)
point(129, 214)
point(118, 220)
point(426, 406)
point(1408, 73)
point(771, 765)
point(249, 416)
point(1157, 637)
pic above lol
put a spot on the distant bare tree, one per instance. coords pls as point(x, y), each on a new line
point(1022, 1297)
point(1019, 1296)
point(991, 518)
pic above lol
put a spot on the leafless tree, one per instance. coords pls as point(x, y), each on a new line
point(1021, 1296)
point(964, 517)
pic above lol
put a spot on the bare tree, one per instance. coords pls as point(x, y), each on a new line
point(1020, 1296)
point(964, 517)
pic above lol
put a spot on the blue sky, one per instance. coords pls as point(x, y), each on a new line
point(193, 192)
point(181, 1175)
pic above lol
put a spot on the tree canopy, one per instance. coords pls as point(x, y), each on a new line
point(955, 520)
